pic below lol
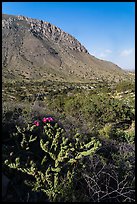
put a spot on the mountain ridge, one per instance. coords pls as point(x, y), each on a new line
point(34, 49)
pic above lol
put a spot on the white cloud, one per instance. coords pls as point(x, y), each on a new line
point(108, 51)
point(126, 52)
point(125, 59)
point(105, 53)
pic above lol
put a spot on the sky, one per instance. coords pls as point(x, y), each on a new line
point(106, 29)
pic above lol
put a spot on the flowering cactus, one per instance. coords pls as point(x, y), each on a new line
point(56, 157)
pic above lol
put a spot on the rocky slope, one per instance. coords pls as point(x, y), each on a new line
point(34, 49)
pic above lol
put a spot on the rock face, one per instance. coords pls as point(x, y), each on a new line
point(34, 49)
point(45, 29)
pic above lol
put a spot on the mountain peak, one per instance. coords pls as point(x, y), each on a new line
point(35, 49)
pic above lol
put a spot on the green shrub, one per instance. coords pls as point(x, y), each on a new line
point(123, 86)
point(105, 132)
point(123, 136)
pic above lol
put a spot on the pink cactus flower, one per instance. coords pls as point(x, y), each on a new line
point(36, 123)
point(49, 119)
point(45, 120)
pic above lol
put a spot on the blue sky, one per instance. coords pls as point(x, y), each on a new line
point(106, 29)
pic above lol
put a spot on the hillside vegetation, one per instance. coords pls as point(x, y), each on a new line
point(68, 141)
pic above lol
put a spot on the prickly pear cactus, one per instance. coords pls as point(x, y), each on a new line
point(44, 152)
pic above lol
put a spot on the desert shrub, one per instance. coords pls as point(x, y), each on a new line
point(130, 136)
point(110, 174)
point(103, 109)
point(73, 105)
point(106, 131)
point(122, 136)
point(123, 86)
point(57, 104)
point(105, 185)
point(112, 132)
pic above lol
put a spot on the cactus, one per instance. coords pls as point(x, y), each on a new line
point(58, 156)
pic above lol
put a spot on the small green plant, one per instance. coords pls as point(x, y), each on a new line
point(105, 132)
